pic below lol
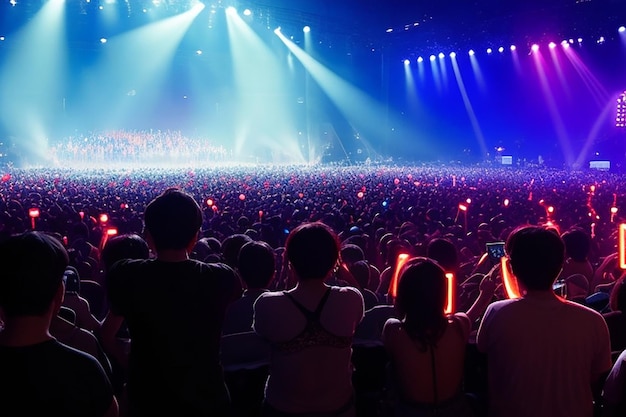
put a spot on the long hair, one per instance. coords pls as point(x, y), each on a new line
point(421, 301)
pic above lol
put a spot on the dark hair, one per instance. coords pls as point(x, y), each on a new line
point(231, 246)
point(444, 252)
point(173, 219)
point(421, 300)
point(351, 253)
point(256, 264)
point(536, 255)
point(312, 249)
point(33, 264)
point(577, 244)
point(129, 246)
point(360, 270)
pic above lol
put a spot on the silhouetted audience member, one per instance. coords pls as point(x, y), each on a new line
point(577, 247)
point(445, 253)
point(546, 356)
point(256, 269)
point(427, 346)
point(310, 329)
point(41, 376)
point(360, 270)
point(113, 332)
point(174, 307)
point(231, 246)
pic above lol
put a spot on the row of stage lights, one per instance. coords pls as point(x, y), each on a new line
point(513, 48)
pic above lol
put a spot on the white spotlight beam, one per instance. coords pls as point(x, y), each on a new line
point(358, 108)
point(469, 108)
point(133, 67)
point(31, 79)
point(265, 119)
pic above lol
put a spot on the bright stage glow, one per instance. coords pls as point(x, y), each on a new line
point(489, 50)
point(306, 29)
point(552, 45)
point(407, 62)
point(31, 78)
point(199, 52)
point(471, 52)
point(501, 49)
point(103, 40)
point(432, 58)
point(565, 44)
point(230, 10)
point(621, 29)
point(147, 53)
point(441, 55)
point(534, 48)
point(453, 55)
point(277, 30)
point(580, 40)
point(264, 118)
point(389, 30)
point(513, 48)
point(420, 59)
point(247, 12)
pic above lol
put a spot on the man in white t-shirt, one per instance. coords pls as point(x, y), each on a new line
point(546, 356)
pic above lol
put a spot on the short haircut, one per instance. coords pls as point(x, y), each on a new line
point(577, 244)
point(351, 253)
point(256, 264)
point(33, 264)
point(360, 270)
point(231, 246)
point(312, 249)
point(536, 255)
point(444, 252)
point(129, 246)
point(173, 219)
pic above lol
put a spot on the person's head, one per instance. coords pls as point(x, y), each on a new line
point(129, 246)
point(536, 255)
point(577, 244)
point(231, 246)
point(33, 264)
point(173, 220)
point(421, 298)
point(444, 252)
point(360, 270)
point(256, 264)
point(351, 253)
point(312, 250)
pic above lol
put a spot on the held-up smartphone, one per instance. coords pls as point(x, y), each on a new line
point(495, 250)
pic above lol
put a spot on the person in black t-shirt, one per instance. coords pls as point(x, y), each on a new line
point(41, 376)
point(174, 308)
